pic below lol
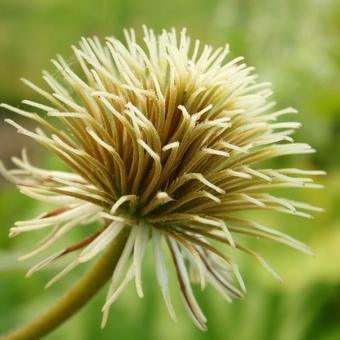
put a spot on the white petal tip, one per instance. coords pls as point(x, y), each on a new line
point(83, 259)
point(140, 294)
point(22, 258)
point(310, 252)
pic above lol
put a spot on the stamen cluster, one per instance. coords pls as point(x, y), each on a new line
point(163, 141)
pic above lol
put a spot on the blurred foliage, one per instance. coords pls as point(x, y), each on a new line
point(294, 44)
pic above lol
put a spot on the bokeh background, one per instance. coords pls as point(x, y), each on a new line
point(294, 44)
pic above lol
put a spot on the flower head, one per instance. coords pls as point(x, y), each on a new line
point(162, 140)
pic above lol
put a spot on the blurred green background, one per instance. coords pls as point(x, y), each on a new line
point(294, 44)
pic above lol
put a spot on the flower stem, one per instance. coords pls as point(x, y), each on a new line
point(75, 298)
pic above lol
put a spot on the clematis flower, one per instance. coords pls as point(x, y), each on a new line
point(164, 140)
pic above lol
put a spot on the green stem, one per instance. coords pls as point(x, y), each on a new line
point(75, 298)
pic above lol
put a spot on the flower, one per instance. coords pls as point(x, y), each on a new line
point(162, 140)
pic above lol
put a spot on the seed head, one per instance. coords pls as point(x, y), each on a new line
point(163, 140)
